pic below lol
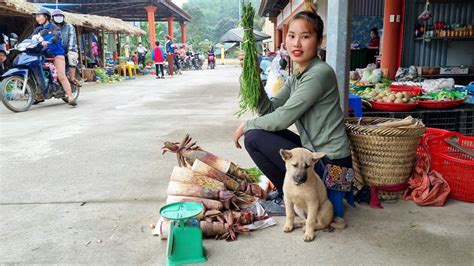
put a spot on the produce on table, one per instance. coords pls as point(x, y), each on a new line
point(435, 85)
point(392, 97)
point(187, 153)
point(444, 95)
point(250, 84)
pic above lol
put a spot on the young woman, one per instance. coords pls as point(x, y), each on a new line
point(52, 40)
point(310, 100)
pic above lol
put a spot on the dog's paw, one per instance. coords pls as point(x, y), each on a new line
point(288, 228)
point(308, 237)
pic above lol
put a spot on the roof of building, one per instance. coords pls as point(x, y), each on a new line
point(128, 10)
point(271, 8)
point(23, 8)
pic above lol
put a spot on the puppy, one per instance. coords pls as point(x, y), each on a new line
point(305, 193)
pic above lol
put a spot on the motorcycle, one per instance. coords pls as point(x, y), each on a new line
point(197, 62)
point(211, 60)
point(31, 74)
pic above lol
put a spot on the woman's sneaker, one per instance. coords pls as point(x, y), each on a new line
point(275, 206)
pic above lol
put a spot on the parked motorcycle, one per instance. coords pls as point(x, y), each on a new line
point(197, 62)
point(31, 74)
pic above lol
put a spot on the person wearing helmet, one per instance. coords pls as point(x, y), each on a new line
point(68, 34)
point(52, 40)
point(3, 62)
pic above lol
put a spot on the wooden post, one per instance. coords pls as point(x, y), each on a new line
point(150, 12)
point(102, 47)
point(183, 33)
point(118, 44)
point(170, 27)
point(79, 42)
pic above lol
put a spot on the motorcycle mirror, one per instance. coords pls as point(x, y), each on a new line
point(13, 35)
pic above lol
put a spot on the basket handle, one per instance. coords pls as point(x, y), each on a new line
point(453, 142)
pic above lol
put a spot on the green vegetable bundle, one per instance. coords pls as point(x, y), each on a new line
point(444, 94)
point(250, 78)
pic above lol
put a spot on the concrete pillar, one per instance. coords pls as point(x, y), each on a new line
point(150, 13)
point(391, 36)
point(279, 38)
point(170, 27)
point(338, 46)
point(183, 33)
point(285, 31)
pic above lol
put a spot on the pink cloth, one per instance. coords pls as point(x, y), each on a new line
point(426, 188)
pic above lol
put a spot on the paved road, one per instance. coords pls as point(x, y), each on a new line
point(82, 185)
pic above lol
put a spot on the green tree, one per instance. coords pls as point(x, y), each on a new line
point(212, 18)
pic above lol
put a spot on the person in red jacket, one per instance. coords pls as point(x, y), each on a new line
point(158, 57)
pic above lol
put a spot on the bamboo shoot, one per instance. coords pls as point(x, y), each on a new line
point(186, 175)
point(208, 203)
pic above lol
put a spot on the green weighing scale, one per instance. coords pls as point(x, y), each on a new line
point(185, 235)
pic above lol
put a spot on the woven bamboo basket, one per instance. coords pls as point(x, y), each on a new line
point(382, 155)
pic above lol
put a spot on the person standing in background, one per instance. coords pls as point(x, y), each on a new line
point(158, 57)
point(169, 50)
point(373, 48)
point(141, 52)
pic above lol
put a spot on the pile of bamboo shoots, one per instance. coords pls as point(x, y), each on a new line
point(225, 190)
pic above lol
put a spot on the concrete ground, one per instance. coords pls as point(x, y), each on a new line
point(82, 185)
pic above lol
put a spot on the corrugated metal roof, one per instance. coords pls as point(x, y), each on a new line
point(367, 7)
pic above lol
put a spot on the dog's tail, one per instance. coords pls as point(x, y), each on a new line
point(338, 223)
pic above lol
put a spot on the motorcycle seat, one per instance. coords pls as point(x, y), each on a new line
point(49, 59)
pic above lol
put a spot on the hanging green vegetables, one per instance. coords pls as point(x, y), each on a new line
point(250, 78)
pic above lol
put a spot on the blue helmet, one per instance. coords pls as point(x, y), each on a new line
point(43, 11)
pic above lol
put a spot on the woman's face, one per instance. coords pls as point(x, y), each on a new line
point(372, 34)
point(301, 42)
point(40, 18)
point(3, 57)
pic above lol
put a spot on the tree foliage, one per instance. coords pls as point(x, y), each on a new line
point(212, 18)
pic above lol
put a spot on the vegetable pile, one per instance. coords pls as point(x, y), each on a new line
point(103, 77)
point(250, 78)
point(444, 95)
point(226, 191)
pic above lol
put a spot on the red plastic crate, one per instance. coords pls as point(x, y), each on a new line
point(455, 166)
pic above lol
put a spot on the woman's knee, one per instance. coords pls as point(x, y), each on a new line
point(252, 137)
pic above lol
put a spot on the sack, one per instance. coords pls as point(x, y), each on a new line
point(338, 177)
point(426, 188)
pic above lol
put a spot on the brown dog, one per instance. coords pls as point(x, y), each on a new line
point(305, 193)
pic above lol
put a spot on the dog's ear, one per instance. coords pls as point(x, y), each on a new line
point(285, 154)
point(317, 155)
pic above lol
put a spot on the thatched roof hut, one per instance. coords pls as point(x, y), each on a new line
point(23, 8)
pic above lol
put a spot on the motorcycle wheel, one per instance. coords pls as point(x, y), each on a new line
point(75, 93)
point(212, 65)
point(12, 94)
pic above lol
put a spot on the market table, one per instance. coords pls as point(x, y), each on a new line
point(458, 119)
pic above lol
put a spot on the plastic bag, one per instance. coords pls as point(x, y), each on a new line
point(276, 76)
point(435, 85)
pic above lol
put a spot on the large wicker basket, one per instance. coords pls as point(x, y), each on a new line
point(382, 155)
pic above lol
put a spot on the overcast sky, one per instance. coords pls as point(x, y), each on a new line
point(179, 2)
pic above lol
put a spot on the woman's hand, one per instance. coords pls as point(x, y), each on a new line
point(239, 132)
point(44, 43)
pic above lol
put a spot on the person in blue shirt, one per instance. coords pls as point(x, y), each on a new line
point(53, 41)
